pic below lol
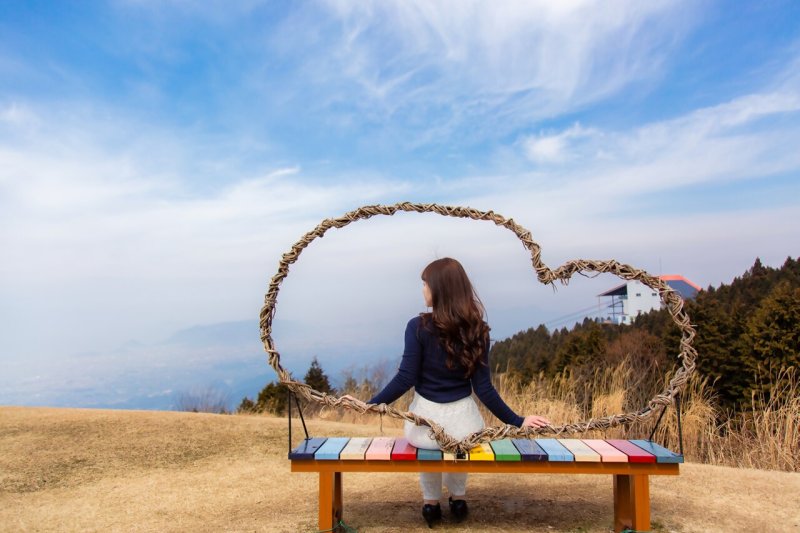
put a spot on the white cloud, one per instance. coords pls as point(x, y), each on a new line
point(502, 65)
point(553, 148)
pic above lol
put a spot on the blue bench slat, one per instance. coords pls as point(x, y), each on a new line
point(663, 455)
point(307, 449)
point(555, 450)
point(529, 450)
point(331, 449)
point(429, 455)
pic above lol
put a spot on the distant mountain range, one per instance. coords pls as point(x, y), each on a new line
point(226, 357)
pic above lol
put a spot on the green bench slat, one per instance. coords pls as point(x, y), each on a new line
point(504, 450)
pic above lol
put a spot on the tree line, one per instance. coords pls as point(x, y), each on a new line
point(746, 331)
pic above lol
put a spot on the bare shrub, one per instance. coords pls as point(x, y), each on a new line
point(203, 400)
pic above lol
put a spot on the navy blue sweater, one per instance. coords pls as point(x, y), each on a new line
point(424, 367)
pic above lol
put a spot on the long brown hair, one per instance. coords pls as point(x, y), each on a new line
point(457, 314)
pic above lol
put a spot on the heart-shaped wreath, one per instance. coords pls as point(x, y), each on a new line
point(671, 299)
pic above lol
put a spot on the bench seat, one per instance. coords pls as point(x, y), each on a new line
point(630, 462)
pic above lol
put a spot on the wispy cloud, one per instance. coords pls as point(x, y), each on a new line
point(496, 68)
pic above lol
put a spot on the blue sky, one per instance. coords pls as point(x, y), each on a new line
point(156, 158)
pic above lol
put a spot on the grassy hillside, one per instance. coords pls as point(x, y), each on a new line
point(93, 470)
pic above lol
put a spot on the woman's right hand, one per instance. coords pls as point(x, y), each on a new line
point(535, 421)
point(348, 397)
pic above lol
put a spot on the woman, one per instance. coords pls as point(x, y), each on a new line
point(446, 358)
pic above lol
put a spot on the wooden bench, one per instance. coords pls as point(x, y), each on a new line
point(631, 462)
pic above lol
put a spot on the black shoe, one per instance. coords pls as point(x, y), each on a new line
point(458, 508)
point(431, 513)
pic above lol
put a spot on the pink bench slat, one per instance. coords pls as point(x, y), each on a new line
point(380, 449)
point(607, 452)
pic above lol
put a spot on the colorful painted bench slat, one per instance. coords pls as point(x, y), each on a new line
point(429, 455)
point(662, 454)
point(380, 449)
point(307, 449)
point(331, 448)
point(464, 456)
point(482, 452)
point(580, 451)
point(629, 462)
point(635, 454)
point(555, 450)
point(607, 452)
point(356, 449)
point(504, 450)
point(529, 450)
point(403, 451)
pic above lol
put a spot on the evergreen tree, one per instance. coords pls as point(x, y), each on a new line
point(316, 378)
point(247, 406)
point(772, 337)
point(272, 399)
point(583, 349)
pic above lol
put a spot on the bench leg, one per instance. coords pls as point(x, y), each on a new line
point(631, 502)
point(330, 499)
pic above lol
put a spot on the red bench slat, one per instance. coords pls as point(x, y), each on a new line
point(403, 451)
point(634, 453)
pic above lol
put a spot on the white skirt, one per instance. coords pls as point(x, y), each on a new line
point(459, 419)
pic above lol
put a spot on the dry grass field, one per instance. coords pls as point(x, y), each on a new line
point(105, 470)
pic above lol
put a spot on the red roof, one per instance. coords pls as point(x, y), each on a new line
point(678, 277)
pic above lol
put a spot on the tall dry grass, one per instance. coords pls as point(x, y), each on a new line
point(766, 436)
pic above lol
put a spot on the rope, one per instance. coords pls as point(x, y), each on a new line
point(671, 299)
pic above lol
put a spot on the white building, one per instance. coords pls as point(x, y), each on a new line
point(634, 298)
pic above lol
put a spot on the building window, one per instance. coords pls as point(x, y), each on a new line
point(638, 294)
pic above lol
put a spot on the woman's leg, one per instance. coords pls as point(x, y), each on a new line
point(431, 483)
point(456, 483)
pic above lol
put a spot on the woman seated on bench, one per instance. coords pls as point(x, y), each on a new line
point(446, 358)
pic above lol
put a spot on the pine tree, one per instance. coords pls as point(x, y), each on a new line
point(317, 380)
point(272, 399)
point(772, 338)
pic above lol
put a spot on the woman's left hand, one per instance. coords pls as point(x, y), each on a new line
point(535, 421)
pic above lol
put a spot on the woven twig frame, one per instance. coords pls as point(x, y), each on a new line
point(670, 298)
